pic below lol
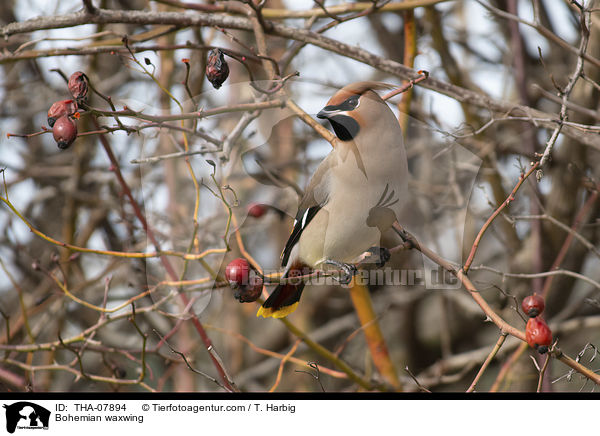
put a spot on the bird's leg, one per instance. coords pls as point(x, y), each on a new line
point(406, 237)
point(348, 270)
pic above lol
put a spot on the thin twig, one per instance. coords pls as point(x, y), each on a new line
point(487, 362)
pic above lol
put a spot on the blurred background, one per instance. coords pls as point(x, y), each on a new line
point(92, 316)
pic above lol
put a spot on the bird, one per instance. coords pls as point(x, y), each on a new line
point(355, 194)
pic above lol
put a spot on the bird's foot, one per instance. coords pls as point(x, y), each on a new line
point(380, 255)
point(348, 271)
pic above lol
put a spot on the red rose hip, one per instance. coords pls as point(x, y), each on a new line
point(538, 334)
point(533, 305)
point(237, 272)
point(256, 210)
point(64, 132)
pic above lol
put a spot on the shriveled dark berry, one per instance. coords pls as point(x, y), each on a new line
point(59, 109)
point(217, 69)
point(251, 291)
point(78, 85)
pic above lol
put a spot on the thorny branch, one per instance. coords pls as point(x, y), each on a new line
point(60, 280)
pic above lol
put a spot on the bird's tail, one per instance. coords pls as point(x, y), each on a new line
point(286, 296)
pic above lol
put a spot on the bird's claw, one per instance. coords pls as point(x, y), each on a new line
point(348, 271)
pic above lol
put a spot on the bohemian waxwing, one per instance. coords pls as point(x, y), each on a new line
point(354, 196)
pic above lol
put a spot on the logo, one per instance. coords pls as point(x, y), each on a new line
point(26, 415)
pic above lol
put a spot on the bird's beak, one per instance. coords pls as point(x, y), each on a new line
point(328, 111)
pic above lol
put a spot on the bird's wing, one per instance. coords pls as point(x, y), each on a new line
point(315, 197)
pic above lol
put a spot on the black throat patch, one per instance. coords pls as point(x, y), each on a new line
point(346, 128)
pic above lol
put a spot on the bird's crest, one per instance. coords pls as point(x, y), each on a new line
point(357, 88)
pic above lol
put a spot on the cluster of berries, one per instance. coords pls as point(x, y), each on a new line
point(62, 114)
point(537, 332)
point(244, 280)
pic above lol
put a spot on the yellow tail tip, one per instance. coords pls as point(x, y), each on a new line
point(282, 312)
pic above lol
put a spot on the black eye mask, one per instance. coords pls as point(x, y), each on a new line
point(347, 105)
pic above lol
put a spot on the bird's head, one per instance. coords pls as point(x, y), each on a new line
point(355, 107)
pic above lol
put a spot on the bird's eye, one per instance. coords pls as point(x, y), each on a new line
point(353, 101)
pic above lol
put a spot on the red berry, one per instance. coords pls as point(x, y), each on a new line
point(64, 131)
point(78, 85)
point(59, 109)
point(533, 305)
point(237, 272)
point(538, 334)
point(257, 210)
point(217, 69)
